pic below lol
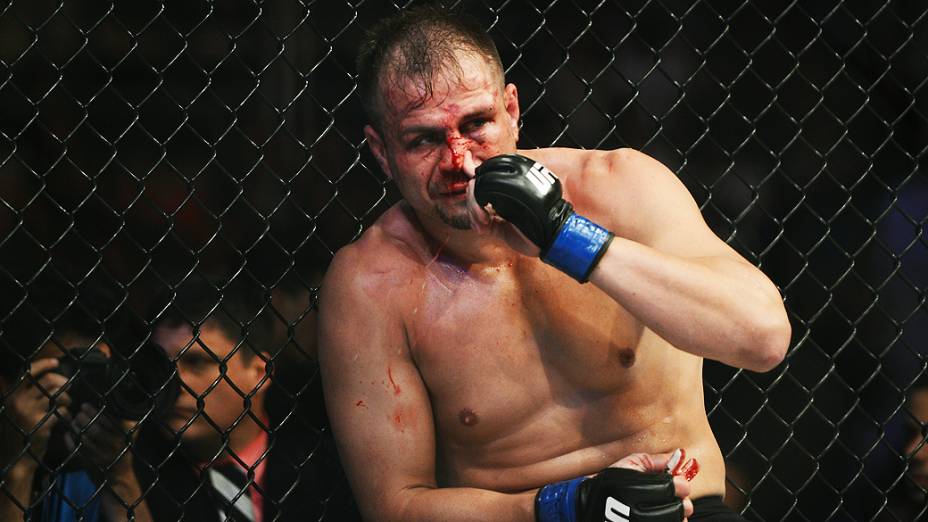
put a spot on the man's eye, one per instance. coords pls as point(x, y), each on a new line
point(197, 362)
point(475, 124)
point(421, 141)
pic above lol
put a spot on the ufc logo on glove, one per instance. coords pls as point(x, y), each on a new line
point(612, 495)
point(541, 177)
point(615, 509)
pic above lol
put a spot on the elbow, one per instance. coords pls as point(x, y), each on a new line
point(769, 343)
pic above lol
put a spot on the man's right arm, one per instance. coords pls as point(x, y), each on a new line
point(379, 406)
point(27, 406)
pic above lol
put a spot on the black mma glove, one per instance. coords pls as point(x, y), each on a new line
point(613, 495)
point(528, 195)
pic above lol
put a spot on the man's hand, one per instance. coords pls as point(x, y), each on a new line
point(105, 450)
point(104, 442)
point(35, 404)
point(674, 463)
point(638, 488)
point(529, 197)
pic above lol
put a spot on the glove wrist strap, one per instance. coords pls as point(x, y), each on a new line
point(577, 247)
point(558, 502)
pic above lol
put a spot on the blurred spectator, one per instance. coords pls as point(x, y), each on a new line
point(908, 500)
point(34, 437)
point(33, 404)
point(297, 387)
point(295, 326)
point(220, 453)
point(737, 483)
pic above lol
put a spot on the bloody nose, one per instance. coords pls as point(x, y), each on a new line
point(457, 146)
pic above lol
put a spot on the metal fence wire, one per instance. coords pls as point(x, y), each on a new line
point(155, 150)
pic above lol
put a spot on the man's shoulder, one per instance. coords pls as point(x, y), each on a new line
point(586, 172)
point(389, 253)
point(572, 164)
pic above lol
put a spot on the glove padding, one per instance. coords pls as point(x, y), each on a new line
point(619, 494)
point(527, 195)
point(524, 193)
point(613, 495)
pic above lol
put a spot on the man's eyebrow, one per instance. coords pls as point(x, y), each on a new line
point(422, 129)
point(191, 355)
point(476, 113)
point(427, 129)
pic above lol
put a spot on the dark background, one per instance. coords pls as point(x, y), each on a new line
point(142, 143)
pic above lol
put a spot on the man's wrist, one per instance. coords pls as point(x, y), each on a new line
point(123, 501)
point(557, 502)
point(122, 481)
point(577, 247)
point(24, 467)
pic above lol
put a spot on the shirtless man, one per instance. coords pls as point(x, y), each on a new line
point(467, 379)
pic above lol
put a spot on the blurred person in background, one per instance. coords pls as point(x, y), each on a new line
point(909, 499)
point(37, 431)
point(221, 452)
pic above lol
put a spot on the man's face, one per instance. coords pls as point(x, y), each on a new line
point(198, 363)
point(429, 148)
point(918, 466)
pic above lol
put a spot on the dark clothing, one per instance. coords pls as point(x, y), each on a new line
point(303, 480)
point(712, 509)
point(904, 504)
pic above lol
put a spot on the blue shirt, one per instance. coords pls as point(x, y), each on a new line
point(72, 497)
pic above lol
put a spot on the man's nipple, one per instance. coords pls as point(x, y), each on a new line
point(468, 417)
point(626, 357)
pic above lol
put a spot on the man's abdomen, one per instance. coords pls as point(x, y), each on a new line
point(518, 434)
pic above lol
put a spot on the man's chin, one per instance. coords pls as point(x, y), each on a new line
point(458, 218)
point(199, 439)
point(916, 486)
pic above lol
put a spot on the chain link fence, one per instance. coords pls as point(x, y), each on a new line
point(147, 147)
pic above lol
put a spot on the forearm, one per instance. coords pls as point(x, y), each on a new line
point(458, 505)
point(9, 510)
point(713, 307)
point(122, 494)
point(17, 485)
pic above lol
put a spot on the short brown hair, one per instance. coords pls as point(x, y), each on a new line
point(239, 308)
point(418, 42)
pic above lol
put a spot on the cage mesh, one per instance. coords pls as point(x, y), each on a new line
point(147, 144)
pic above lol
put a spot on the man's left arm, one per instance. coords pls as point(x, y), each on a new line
point(668, 269)
point(665, 266)
point(106, 452)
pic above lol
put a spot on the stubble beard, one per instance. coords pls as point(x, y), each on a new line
point(199, 440)
point(456, 217)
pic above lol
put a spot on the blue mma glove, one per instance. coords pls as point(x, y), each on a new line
point(528, 195)
point(613, 495)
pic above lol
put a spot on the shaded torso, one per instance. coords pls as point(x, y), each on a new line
point(534, 378)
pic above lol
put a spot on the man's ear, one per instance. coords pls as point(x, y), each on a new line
point(257, 368)
point(105, 348)
point(511, 99)
point(375, 142)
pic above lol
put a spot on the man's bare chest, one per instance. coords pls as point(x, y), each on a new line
point(486, 346)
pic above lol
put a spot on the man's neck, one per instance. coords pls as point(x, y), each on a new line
point(467, 247)
point(246, 432)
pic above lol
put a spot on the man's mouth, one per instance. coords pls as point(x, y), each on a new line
point(458, 188)
point(919, 477)
point(183, 413)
